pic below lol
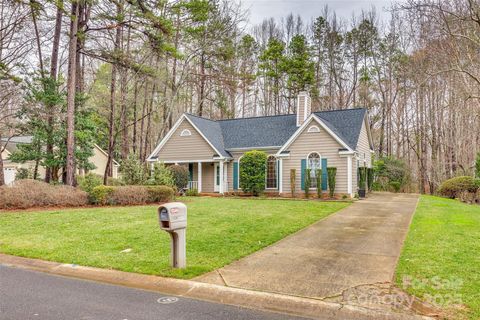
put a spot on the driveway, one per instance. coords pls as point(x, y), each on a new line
point(356, 246)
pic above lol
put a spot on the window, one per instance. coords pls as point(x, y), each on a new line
point(313, 163)
point(313, 129)
point(185, 133)
point(271, 172)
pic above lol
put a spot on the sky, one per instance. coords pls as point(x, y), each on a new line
point(308, 9)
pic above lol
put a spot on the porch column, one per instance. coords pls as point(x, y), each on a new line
point(199, 176)
point(280, 176)
point(221, 176)
point(349, 176)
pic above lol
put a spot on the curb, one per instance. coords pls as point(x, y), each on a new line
point(272, 302)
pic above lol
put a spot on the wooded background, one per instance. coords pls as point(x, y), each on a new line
point(120, 72)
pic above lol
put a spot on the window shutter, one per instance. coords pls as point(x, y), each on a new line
point(324, 174)
point(235, 175)
point(303, 166)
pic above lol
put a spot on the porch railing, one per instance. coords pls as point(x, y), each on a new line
point(193, 185)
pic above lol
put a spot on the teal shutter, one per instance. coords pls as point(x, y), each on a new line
point(303, 166)
point(324, 174)
point(235, 176)
point(190, 170)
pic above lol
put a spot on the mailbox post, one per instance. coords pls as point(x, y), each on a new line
point(173, 219)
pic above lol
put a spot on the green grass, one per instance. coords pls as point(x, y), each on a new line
point(443, 250)
point(220, 230)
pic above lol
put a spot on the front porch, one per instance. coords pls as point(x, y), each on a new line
point(205, 176)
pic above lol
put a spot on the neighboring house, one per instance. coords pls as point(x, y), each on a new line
point(213, 149)
point(10, 169)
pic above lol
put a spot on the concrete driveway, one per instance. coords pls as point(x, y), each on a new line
point(356, 246)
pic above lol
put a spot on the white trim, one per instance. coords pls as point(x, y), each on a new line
point(185, 133)
point(313, 129)
point(346, 153)
point(302, 128)
point(222, 176)
point(170, 133)
point(199, 175)
point(349, 176)
point(280, 175)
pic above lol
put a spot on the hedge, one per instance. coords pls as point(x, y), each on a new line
point(129, 195)
point(32, 193)
point(453, 187)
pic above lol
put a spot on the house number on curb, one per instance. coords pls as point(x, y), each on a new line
point(167, 300)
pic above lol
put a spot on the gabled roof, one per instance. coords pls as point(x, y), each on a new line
point(274, 131)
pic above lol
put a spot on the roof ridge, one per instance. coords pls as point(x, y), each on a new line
point(193, 115)
point(257, 117)
point(336, 110)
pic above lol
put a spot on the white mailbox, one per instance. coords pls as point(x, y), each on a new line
point(173, 219)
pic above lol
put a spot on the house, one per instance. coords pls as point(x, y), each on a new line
point(10, 169)
point(213, 150)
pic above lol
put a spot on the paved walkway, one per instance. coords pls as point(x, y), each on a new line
point(358, 245)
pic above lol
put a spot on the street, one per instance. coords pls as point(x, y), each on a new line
point(34, 295)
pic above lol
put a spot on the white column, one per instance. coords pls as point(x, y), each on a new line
point(349, 176)
point(280, 175)
point(225, 174)
point(221, 176)
point(199, 176)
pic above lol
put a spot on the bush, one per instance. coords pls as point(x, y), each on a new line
point(89, 181)
point(192, 193)
point(115, 182)
point(332, 180)
point(307, 183)
point(362, 175)
point(253, 165)
point(180, 176)
point(389, 169)
point(23, 174)
point(133, 171)
point(160, 194)
point(293, 179)
point(101, 195)
point(130, 195)
point(161, 176)
point(453, 187)
point(395, 186)
point(370, 178)
point(318, 176)
point(31, 193)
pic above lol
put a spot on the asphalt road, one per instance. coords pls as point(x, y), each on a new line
point(32, 295)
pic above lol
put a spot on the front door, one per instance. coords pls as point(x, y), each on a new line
point(216, 175)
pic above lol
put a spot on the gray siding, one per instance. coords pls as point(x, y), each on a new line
point(321, 142)
point(363, 147)
point(192, 147)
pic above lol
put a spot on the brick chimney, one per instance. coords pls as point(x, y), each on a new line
point(304, 107)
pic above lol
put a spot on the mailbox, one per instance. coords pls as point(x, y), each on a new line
point(172, 218)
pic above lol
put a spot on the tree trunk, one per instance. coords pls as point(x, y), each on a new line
point(53, 76)
point(71, 82)
point(111, 120)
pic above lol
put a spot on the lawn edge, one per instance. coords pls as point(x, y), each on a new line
point(258, 300)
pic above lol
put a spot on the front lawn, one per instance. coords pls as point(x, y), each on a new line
point(441, 255)
point(220, 230)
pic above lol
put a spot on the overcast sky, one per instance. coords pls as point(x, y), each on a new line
point(308, 9)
